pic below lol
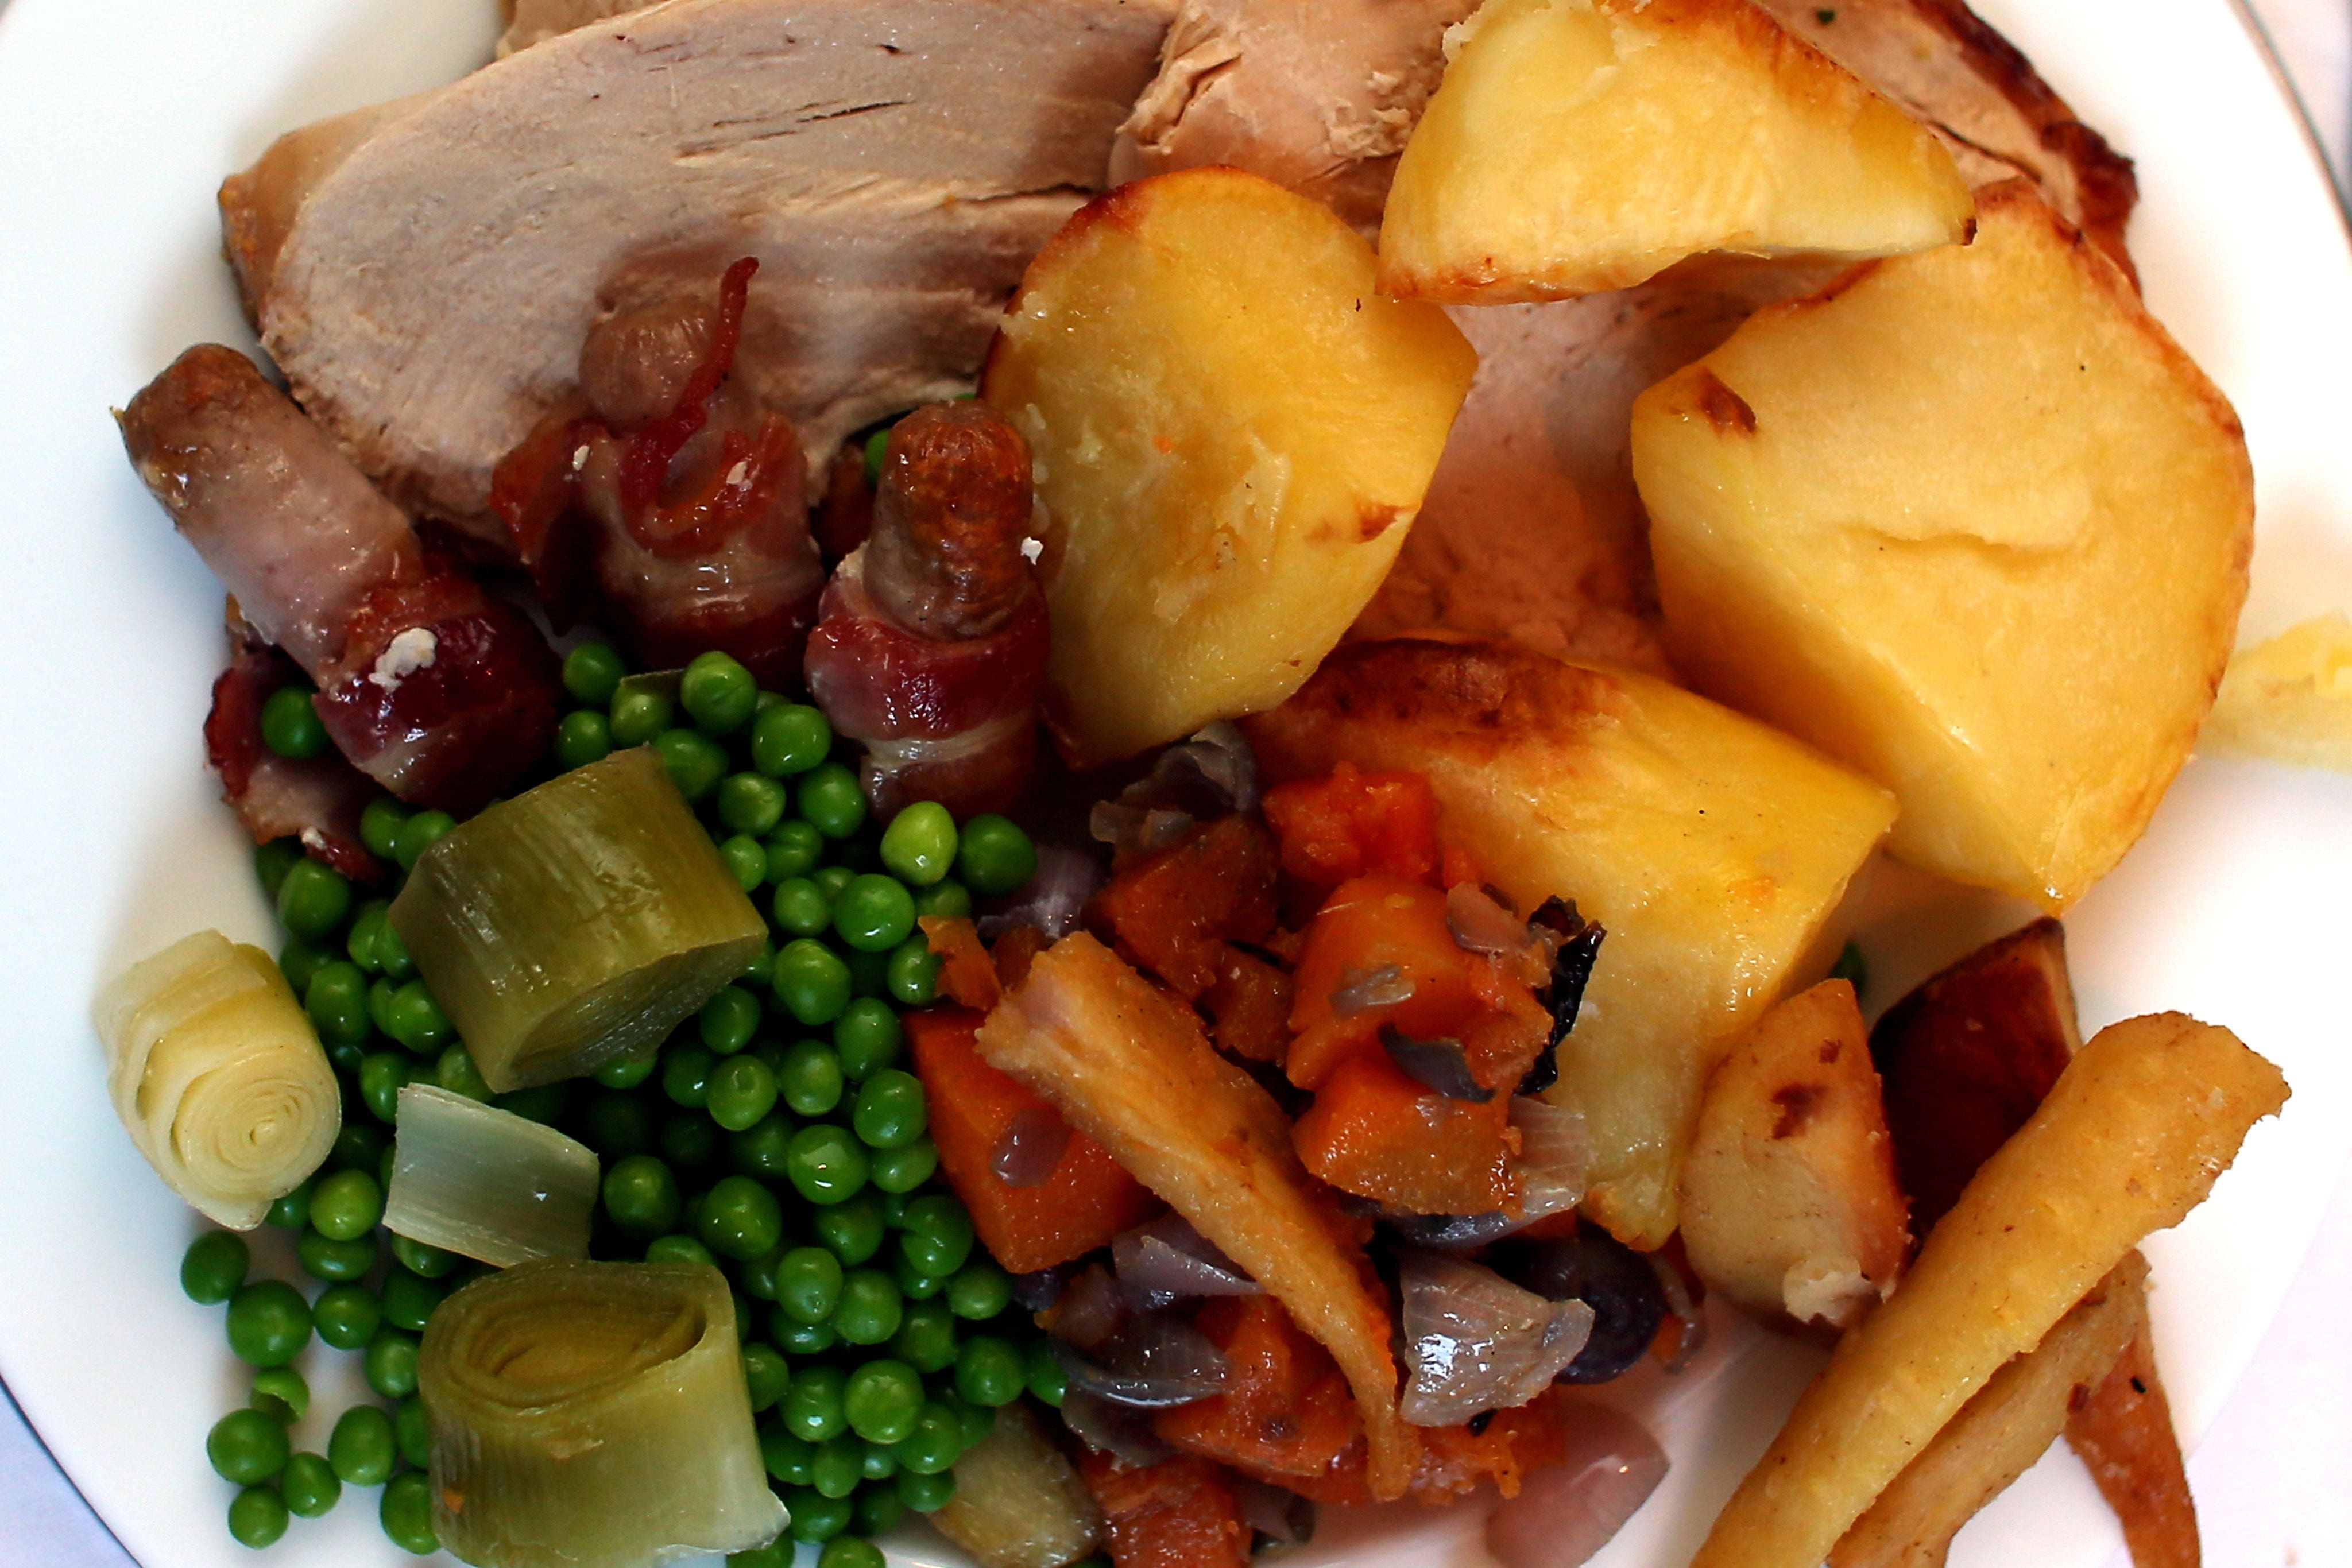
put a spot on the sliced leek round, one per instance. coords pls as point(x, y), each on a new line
point(487, 1183)
point(593, 1415)
point(577, 922)
point(218, 1076)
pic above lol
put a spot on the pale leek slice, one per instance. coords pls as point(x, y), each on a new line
point(593, 1415)
point(218, 1076)
point(472, 1179)
point(577, 922)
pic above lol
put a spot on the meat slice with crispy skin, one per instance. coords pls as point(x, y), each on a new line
point(892, 169)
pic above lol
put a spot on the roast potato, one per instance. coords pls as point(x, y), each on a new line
point(1713, 850)
point(2289, 700)
point(1971, 521)
point(1582, 145)
point(1232, 431)
point(1789, 1201)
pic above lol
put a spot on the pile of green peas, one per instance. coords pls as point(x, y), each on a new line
point(775, 1136)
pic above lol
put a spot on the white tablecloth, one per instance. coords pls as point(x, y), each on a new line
point(2273, 1480)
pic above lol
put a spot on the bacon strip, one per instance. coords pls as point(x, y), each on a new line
point(441, 694)
point(931, 638)
point(318, 801)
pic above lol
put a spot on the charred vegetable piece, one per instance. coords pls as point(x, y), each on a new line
point(487, 1183)
point(218, 1076)
point(1617, 1282)
point(579, 922)
point(1571, 971)
point(593, 1415)
point(1018, 1503)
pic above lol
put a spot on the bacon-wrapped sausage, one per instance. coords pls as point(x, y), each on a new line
point(674, 510)
point(931, 638)
point(438, 692)
point(316, 800)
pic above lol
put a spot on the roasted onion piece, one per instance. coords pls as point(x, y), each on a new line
point(1168, 1261)
point(1154, 1362)
point(1477, 1342)
point(1565, 1513)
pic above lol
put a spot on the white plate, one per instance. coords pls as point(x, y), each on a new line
point(118, 117)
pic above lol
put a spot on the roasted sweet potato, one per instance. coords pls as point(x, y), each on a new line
point(1376, 1133)
point(2122, 1428)
point(1179, 1513)
point(1175, 910)
point(1285, 1415)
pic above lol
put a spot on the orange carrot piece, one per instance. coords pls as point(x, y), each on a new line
point(1088, 1201)
point(1179, 1513)
point(1015, 951)
point(1374, 1132)
point(1175, 910)
point(1371, 924)
point(1352, 824)
point(1286, 1415)
point(966, 975)
point(1248, 1005)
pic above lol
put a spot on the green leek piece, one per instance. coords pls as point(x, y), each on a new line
point(218, 1076)
point(470, 1178)
point(577, 922)
point(593, 1415)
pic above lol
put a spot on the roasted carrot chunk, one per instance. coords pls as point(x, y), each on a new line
point(1179, 1513)
point(1352, 824)
point(966, 975)
point(1175, 910)
point(1454, 1459)
point(1374, 1132)
point(1286, 1415)
point(1088, 1201)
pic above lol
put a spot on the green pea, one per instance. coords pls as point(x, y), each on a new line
point(336, 1001)
point(641, 1195)
point(848, 1552)
point(926, 1493)
point(882, 1399)
point(382, 1075)
point(808, 1284)
point(412, 1431)
point(406, 1513)
point(742, 1091)
point(420, 833)
point(751, 803)
point(760, 973)
point(257, 1517)
point(990, 1372)
point(268, 1323)
point(348, 1204)
point(361, 1449)
point(833, 880)
point(543, 1104)
point(825, 1164)
point(627, 1071)
point(325, 1257)
point(309, 1486)
point(718, 693)
point(407, 1300)
point(728, 1019)
point(891, 1112)
point(279, 1393)
point(679, 1248)
point(592, 674)
point(816, 1518)
point(837, 1467)
point(812, 982)
point(455, 1070)
point(812, 1407)
point(689, 1142)
point(926, 1339)
point(686, 1076)
point(391, 955)
point(695, 762)
point(995, 856)
point(979, 1420)
point(801, 907)
point(739, 1219)
point(867, 1038)
point(414, 1019)
point(809, 1078)
point(851, 1231)
point(880, 1508)
point(763, 1148)
point(979, 1290)
point(784, 1456)
point(793, 850)
point(920, 844)
point(765, 1373)
point(292, 1210)
point(299, 962)
point(797, 1338)
point(313, 900)
point(273, 860)
point(913, 1283)
point(380, 823)
point(879, 1465)
point(746, 861)
point(424, 1260)
point(904, 1169)
point(789, 738)
point(358, 1146)
point(830, 797)
point(944, 901)
point(290, 726)
point(938, 1235)
point(935, 1444)
point(583, 738)
point(389, 1363)
point(213, 1266)
point(346, 1317)
point(616, 1126)
point(870, 1308)
point(640, 714)
point(874, 914)
point(247, 1445)
point(1047, 1381)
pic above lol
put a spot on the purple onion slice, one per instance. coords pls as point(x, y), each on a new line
point(1156, 1361)
point(1438, 1064)
point(1475, 1341)
point(1362, 990)
point(1168, 1261)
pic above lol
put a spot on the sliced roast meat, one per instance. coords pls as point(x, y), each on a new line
point(892, 167)
point(316, 800)
point(438, 692)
